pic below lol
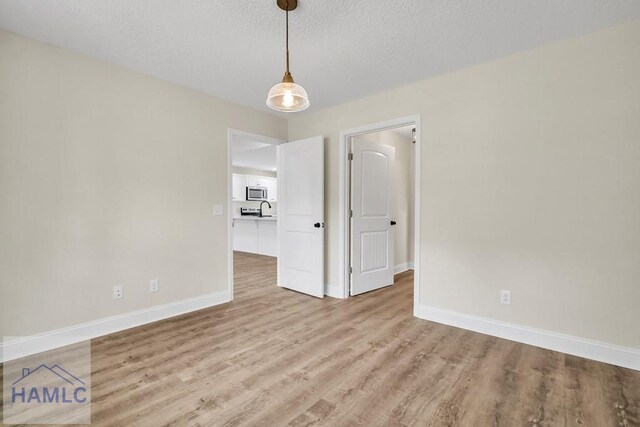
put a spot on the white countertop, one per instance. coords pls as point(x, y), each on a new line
point(256, 218)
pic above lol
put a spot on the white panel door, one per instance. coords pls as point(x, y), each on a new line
point(301, 216)
point(372, 224)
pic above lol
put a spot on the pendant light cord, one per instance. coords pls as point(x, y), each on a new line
point(287, 37)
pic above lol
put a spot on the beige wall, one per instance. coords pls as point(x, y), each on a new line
point(403, 181)
point(530, 182)
point(107, 177)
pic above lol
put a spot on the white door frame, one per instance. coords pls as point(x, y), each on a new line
point(343, 206)
point(231, 134)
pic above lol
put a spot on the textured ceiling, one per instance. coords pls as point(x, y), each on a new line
point(340, 50)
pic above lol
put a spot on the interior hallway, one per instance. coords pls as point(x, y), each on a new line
point(275, 357)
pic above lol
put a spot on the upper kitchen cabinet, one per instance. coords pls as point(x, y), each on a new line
point(241, 182)
point(272, 189)
point(256, 181)
point(239, 185)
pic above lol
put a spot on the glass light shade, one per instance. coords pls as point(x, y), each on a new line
point(288, 97)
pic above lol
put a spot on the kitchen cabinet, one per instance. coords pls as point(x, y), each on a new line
point(241, 182)
point(238, 187)
point(256, 181)
point(272, 189)
point(245, 235)
point(268, 237)
point(257, 236)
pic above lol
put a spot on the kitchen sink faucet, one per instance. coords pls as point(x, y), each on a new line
point(261, 203)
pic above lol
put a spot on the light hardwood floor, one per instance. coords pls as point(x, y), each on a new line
point(274, 357)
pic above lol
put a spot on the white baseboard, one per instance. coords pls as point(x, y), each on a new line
point(25, 346)
point(333, 291)
point(609, 353)
point(401, 268)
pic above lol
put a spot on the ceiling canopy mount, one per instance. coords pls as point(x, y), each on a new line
point(288, 5)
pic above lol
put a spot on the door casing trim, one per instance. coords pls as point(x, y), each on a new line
point(231, 134)
point(343, 203)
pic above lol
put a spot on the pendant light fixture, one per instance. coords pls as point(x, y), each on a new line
point(288, 96)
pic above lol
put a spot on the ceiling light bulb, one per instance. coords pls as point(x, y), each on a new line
point(287, 99)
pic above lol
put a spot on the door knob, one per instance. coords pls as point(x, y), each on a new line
point(392, 223)
point(316, 225)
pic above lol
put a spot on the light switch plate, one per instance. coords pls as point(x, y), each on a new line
point(218, 210)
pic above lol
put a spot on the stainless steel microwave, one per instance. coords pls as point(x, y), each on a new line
point(257, 193)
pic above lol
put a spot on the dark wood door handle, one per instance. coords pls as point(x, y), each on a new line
point(392, 223)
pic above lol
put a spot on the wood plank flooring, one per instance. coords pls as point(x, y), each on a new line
point(274, 357)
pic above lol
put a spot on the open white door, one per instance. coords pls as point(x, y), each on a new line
point(372, 223)
point(301, 216)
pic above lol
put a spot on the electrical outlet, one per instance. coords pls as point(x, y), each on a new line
point(505, 297)
point(118, 292)
point(154, 285)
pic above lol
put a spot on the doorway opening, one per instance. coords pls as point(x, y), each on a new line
point(380, 206)
point(253, 208)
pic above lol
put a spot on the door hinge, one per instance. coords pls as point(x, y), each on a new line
point(351, 213)
point(350, 270)
point(350, 156)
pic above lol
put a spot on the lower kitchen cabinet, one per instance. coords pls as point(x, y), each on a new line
point(267, 238)
point(258, 236)
point(245, 235)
